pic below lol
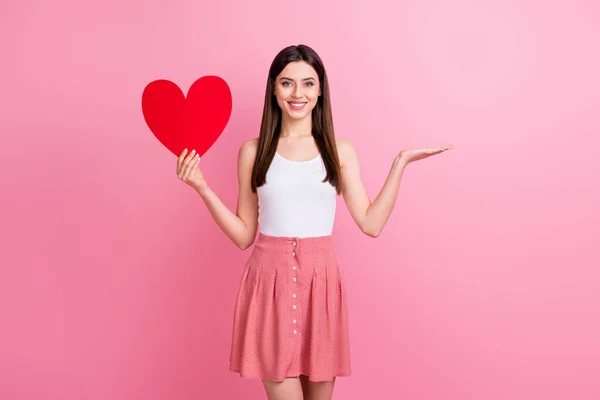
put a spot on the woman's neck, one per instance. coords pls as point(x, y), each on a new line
point(296, 127)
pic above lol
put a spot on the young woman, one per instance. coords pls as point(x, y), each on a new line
point(290, 325)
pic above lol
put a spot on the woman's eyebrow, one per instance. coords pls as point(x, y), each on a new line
point(305, 79)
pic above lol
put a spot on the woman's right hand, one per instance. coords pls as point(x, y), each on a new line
point(188, 171)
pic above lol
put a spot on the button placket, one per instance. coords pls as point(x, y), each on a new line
point(294, 279)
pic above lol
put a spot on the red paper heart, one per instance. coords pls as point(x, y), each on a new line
point(195, 122)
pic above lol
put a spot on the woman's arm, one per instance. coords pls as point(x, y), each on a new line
point(371, 217)
point(241, 226)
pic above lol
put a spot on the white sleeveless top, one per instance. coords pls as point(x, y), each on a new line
point(294, 202)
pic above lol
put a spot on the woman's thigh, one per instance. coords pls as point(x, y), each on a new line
point(317, 390)
point(288, 389)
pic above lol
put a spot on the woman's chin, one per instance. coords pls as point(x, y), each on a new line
point(295, 115)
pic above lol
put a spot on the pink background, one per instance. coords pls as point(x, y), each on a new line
point(115, 282)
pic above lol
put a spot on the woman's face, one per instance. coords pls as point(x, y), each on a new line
point(297, 89)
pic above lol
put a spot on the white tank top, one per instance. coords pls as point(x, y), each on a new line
point(294, 202)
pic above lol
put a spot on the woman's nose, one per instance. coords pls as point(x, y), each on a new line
point(298, 91)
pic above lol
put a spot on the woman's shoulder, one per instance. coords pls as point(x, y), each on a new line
point(342, 143)
point(251, 144)
point(345, 149)
point(248, 150)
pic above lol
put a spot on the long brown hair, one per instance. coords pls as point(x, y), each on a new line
point(322, 120)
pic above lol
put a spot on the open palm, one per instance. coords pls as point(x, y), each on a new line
point(410, 155)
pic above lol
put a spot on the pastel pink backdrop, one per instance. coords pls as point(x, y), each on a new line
point(115, 282)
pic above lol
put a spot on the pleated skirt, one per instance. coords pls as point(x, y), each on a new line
point(291, 314)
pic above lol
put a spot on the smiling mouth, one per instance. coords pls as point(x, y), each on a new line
point(296, 106)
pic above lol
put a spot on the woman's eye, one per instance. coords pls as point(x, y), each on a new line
point(289, 83)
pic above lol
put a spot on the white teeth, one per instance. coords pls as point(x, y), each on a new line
point(297, 104)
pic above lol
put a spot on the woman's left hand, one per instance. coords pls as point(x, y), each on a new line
point(409, 155)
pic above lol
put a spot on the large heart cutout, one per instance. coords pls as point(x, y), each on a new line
point(195, 122)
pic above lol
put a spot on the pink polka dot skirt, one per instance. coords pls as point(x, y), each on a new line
point(291, 315)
